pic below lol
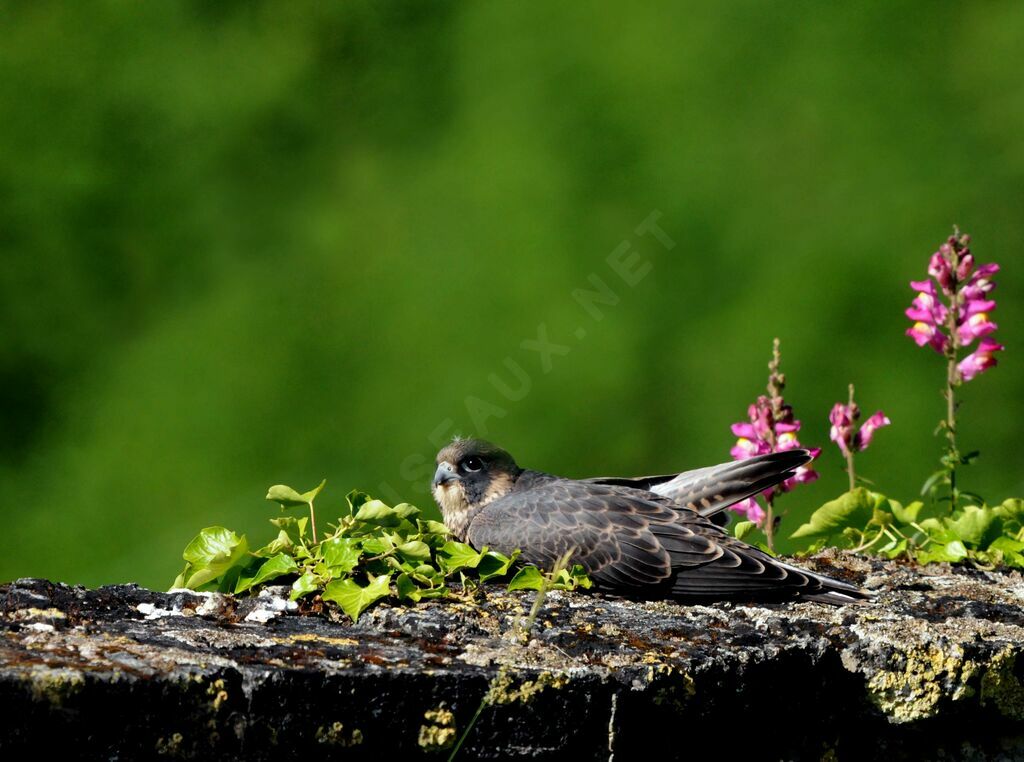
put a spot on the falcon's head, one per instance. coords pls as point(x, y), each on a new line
point(470, 474)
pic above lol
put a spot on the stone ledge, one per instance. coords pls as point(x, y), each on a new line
point(928, 669)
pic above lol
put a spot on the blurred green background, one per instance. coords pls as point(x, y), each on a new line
point(248, 242)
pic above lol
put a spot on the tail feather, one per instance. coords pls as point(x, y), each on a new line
point(713, 489)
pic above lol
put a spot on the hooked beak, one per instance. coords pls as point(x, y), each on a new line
point(445, 473)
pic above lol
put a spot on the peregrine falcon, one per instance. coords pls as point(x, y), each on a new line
point(645, 537)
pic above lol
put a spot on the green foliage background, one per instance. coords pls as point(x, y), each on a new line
point(247, 242)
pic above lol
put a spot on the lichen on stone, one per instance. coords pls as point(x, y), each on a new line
point(915, 681)
point(335, 735)
point(1001, 687)
point(504, 690)
point(55, 686)
point(439, 731)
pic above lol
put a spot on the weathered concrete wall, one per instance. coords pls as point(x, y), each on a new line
point(928, 670)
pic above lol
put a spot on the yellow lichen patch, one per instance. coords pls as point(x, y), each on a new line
point(674, 691)
point(439, 731)
point(170, 746)
point(309, 637)
point(23, 615)
point(335, 735)
point(54, 686)
point(1001, 686)
point(503, 688)
point(919, 679)
point(216, 689)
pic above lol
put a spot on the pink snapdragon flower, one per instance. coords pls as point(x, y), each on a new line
point(965, 316)
point(979, 360)
point(765, 433)
point(844, 430)
point(950, 312)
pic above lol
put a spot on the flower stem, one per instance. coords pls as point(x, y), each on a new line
point(849, 450)
point(776, 383)
point(312, 520)
point(952, 374)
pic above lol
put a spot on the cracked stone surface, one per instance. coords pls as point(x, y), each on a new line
point(928, 669)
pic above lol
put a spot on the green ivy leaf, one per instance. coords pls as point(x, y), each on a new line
point(976, 526)
point(376, 512)
point(341, 554)
point(211, 553)
point(429, 526)
point(294, 528)
point(355, 499)
point(406, 511)
point(854, 509)
point(1012, 509)
point(742, 529)
point(309, 497)
point(455, 555)
point(377, 546)
point(527, 578)
point(414, 550)
point(304, 585)
point(407, 589)
point(905, 515)
point(272, 568)
point(495, 564)
point(285, 496)
point(354, 598)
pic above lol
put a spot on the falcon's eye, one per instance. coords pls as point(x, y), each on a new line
point(472, 463)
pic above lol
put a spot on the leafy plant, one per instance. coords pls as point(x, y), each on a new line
point(861, 520)
point(374, 551)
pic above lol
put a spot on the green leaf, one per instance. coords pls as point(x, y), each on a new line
point(854, 509)
point(956, 550)
point(406, 511)
point(894, 548)
point(527, 578)
point(341, 554)
point(1007, 545)
point(429, 526)
point(272, 568)
point(376, 546)
point(951, 552)
point(211, 553)
point(407, 589)
point(976, 526)
point(1012, 509)
point(495, 564)
point(576, 577)
point(932, 481)
point(294, 528)
point(908, 514)
point(304, 585)
point(415, 550)
point(286, 496)
point(309, 497)
point(377, 513)
point(355, 499)
point(279, 544)
point(353, 598)
point(742, 529)
point(455, 555)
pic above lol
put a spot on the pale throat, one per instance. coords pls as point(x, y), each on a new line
point(458, 512)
